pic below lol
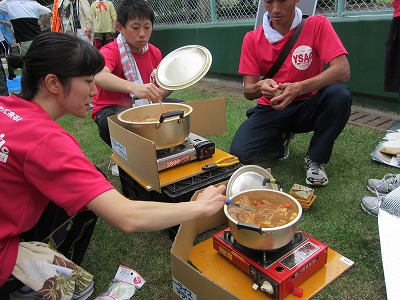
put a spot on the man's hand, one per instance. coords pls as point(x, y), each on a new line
point(147, 91)
point(268, 87)
point(285, 95)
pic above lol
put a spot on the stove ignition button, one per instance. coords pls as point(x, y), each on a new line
point(255, 286)
point(267, 287)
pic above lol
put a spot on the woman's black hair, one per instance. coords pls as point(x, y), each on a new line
point(55, 53)
point(130, 10)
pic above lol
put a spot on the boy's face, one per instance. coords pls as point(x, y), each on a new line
point(137, 33)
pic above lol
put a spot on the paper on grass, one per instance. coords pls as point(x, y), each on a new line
point(385, 158)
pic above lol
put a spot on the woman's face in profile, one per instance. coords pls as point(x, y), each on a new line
point(77, 101)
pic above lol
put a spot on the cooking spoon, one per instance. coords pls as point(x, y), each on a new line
point(229, 202)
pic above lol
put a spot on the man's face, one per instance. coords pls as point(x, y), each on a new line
point(137, 33)
point(281, 11)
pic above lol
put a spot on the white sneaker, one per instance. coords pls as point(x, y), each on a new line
point(315, 173)
point(371, 204)
point(384, 186)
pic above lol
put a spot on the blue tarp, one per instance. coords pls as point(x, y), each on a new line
point(14, 85)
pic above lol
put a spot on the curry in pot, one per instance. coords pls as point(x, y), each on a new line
point(266, 214)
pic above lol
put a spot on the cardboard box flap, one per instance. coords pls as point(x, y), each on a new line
point(195, 227)
point(208, 116)
point(183, 272)
point(121, 141)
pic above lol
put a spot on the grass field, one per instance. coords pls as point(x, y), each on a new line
point(335, 217)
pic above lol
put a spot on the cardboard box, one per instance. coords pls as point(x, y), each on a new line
point(188, 282)
point(138, 156)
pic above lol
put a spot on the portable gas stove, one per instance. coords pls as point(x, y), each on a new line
point(275, 272)
point(194, 147)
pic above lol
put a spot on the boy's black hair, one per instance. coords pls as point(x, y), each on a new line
point(130, 10)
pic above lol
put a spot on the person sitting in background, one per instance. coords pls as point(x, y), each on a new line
point(6, 29)
point(130, 62)
point(41, 159)
point(301, 97)
point(81, 20)
point(27, 18)
point(104, 13)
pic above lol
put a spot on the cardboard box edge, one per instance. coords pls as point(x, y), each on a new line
point(181, 270)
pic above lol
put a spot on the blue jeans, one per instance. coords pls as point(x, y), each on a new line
point(260, 137)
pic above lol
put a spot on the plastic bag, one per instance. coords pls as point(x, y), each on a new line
point(124, 285)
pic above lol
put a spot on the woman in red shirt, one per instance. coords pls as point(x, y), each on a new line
point(41, 163)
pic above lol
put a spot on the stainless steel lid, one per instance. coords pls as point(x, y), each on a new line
point(183, 67)
point(248, 178)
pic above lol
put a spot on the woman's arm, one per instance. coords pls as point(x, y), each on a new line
point(141, 216)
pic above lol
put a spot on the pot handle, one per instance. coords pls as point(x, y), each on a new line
point(171, 114)
point(250, 227)
point(279, 183)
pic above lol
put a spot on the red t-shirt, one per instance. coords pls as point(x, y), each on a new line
point(317, 45)
point(146, 62)
point(39, 162)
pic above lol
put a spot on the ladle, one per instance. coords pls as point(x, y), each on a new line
point(229, 202)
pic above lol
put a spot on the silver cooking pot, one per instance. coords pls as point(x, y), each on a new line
point(171, 129)
point(260, 238)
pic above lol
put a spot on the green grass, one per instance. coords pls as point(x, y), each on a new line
point(335, 217)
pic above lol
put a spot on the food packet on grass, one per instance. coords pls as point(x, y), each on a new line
point(124, 285)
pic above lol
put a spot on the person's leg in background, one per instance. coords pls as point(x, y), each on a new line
point(98, 41)
point(3, 82)
point(24, 47)
point(102, 123)
point(7, 48)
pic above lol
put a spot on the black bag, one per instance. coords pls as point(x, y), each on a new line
point(68, 235)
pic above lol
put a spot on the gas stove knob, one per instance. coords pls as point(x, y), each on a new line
point(255, 286)
point(267, 287)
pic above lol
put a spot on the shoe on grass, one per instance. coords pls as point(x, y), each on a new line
point(371, 204)
point(315, 173)
point(286, 140)
point(25, 293)
point(384, 186)
point(85, 294)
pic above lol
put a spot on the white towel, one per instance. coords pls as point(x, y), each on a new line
point(131, 71)
point(274, 36)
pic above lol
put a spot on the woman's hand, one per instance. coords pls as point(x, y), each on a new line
point(212, 199)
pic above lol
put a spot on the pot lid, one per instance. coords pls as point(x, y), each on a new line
point(183, 67)
point(248, 178)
